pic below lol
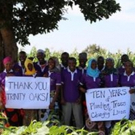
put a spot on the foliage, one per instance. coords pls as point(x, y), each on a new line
point(53, 127)
point(27, 17)
point(97, 9)
point(124, 127)
point(93, 51)
point(50, 127)
point(39, 128)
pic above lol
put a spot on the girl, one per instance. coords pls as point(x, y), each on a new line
point(109, 78)
point(14, 115)
point(55, 83)
point(91, 80)
point(30, 114)
point(128, 79)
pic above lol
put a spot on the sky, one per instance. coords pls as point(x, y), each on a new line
point(113, 34)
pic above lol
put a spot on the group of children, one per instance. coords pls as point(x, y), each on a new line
point(68, 85)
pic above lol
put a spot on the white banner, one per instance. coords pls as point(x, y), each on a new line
point(106, 104)
point(27, 92)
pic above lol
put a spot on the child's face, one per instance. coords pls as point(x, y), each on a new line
point(72, 65)
point(51, 64)
point(82, 62)
point(128, 66)
point(8, 66)
point(22, 57)
point(94, 65)
point(109, 64)
point(40, 57)
point(30, 66)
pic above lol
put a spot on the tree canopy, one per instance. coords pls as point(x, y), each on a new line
point(27, 17)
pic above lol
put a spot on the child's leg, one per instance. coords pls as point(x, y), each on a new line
point(66, 112)
point(77, 112)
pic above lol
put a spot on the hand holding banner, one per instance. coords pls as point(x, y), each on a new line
point(27, 92)
point(106, 104)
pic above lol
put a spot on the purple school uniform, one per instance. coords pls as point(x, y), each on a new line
point(14, 115)
point(90, 82)
point(3, 75)
point(23, 69)
point(17, 70)
point(127, 80)
point(83, 70)
point(121, 70)
point(38, 68)
point(71, 81)
point(2, 78)
point(62, 67)
point(111, 80)
point(55, 79)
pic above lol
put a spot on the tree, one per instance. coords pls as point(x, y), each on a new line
point(33, 53)
point(47, 53)
point(94, 49)
point(74, 54)
point(20, 18)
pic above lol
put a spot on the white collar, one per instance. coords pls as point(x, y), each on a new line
point(6, 71)
point(71, 71)
point(82, 68)
point(19, 63)
point(130, 74)
point(62, 66)
point(103, 68)
point(38, 63)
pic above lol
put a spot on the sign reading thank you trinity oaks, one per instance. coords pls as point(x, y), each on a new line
point(27, 92)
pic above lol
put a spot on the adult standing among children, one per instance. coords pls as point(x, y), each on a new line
point(82, 62)
point(82, 67)
point(100, 63)
point(64, 60)
point(30, 71)
point(14, 115)
point(41, 65)
point(91, 80)
point(55, 84)
point(22, 58)
point(124, 58)
point(71, 96)
point(109, 78)
point(128, 79)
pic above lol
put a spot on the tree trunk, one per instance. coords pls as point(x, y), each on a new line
point(10, 47)
point(1, 53)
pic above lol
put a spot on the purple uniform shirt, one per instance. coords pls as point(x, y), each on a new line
point(38, 68)
point(17, 69)
point(83, 70)
point(2, 78)
point(121, 70)
point(3, 75)
point(71, 81)
point(128, 81)
point(111, 80)
point(90, 82)
point(55, 78)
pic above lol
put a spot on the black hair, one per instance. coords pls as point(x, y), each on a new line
point(65, 53)
point(72, 59)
